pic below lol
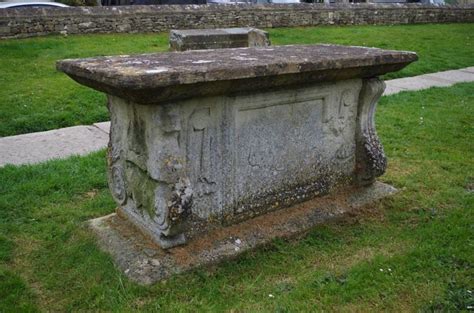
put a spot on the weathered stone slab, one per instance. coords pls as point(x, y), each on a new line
point(141, 260)
point(204, 139)
point(196, 39)
point(159, 77)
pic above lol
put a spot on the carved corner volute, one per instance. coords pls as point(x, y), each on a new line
point(149, 182)
point(370, 157)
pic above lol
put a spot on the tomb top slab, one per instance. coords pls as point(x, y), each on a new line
point(213, 31)
point(153, 78)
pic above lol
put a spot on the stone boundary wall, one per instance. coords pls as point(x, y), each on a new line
point(18, 23)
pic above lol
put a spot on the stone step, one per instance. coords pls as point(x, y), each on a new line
point(81, 140)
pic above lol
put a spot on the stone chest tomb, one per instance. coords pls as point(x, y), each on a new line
point(195, 39)
point(211, 142)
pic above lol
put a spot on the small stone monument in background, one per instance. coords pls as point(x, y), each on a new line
point(197, 39)
point(214, 152)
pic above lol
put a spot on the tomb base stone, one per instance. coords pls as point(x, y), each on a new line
point(250, 144)
point(144, 262)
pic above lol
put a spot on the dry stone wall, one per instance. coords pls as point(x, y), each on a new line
point(134, 19)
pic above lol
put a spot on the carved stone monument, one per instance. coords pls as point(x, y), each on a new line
point(195, 39)
point(215, 149)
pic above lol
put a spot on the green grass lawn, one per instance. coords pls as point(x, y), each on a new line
point(35, 97)
point(413, 252)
